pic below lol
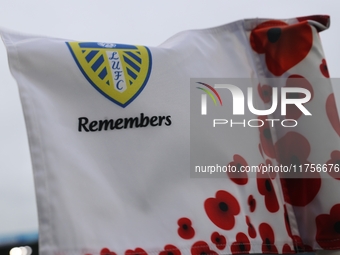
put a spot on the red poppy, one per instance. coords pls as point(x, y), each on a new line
point(322, 19)
point(170, 250)
point(296, 81)
point(332, 113)
point(185, 229)
point(265, 187)
point(219, 240)
point(251, 229)
point(301, 191)
point(324, 68)
point(298, 244)
point(265, 92)
point(251, 203)
point(287, 249)
point(287, 223)
point(268, 238)
point(222, 209)
point(106, 251)
point(293, 149)
point(284, 45)
point(200, 248)
point(266, 138)
point(240, 178)
point(242, 244)
point(333, 165)
point(137, 251)
point(328, 229)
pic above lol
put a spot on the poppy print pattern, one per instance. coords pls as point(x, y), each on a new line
point(222, 209)
point(328, 228)
point(170, 249)
point(294, 149)
point(240, 178)
point(241, 245)
point(283, 45)
point(219, 240)
point(185, 230)
point(200, 248)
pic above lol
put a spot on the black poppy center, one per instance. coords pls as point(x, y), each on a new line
point(170, 253)
point(298, 248)
point(337, 227)
point(267, 134)
point(268, 185)
point(337, 162)
point(251, 202)
point(265, 92)
point(242, 247)
point(223, 206)
point(218, 240)
point(293, 95)
point(325, 68)
point(287, 218)
point(238, 166)
point(274, 34)
point(185, 226)
point(267, 242)
point(295, 160)
point(203, 253)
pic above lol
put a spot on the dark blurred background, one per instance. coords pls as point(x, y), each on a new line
point(24, 244)
point(25, 248)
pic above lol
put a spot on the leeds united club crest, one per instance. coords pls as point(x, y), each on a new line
point(118, 71)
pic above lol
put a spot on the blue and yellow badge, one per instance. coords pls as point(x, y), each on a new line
point(118, 71)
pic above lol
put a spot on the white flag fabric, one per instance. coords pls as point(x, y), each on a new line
point(109, 134)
